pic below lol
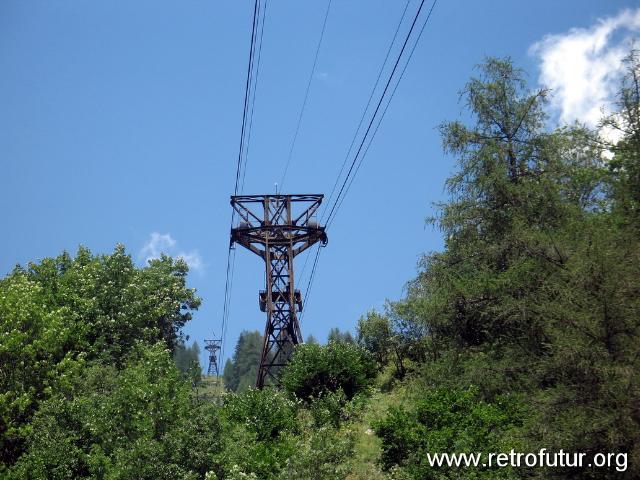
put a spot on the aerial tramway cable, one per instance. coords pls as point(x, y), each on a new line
point(375, 113)
point(366, 108)
point(357, 159)
point(363, 147)
point(384, 111)
point(353, 140)
point(253, 96)
point(306, 97)
point(245, 134)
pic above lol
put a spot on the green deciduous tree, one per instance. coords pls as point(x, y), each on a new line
point(34, 353)
point(57, 314)
point(315, 370)
point(115, 302)
point(111, 423)
point(375, 334)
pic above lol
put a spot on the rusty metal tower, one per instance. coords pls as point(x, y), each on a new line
point(213, 346)
point(277, 228)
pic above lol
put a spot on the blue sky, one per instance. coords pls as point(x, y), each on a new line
point(120, 122)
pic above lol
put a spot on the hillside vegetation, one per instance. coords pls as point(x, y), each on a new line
point(522, 333)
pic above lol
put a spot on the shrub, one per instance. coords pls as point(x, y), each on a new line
point(447, 421)
point(320, 454)
point(261, 434)
point(328, 409)
point(315, 370)
point(267, 413)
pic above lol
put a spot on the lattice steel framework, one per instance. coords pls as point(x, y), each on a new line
point(277, 228)
point(213, 346)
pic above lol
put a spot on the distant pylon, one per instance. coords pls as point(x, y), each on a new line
point(278, 228)
point(213, 346)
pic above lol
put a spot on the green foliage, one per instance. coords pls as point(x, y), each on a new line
point(111, 422)
point(261, 438)
point(449, 421)
point(335, 410)
point(507, 200)
point(241, 372)
point(535, 292)
point(33, 354)
point(328, 409)
point(505, 222)
point(267, 413)
point(115, 302)
point(62, 312)
point(245, 455)
point(322, 454)
point(592, 357)
point(316, 370)
point(199, 439)
point(392, 337)
point(376, 336)
point(625, 165)
point(100, 384)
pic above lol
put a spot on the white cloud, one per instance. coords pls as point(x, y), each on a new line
point(193, 259)
point(160, 243)
point(583, 66)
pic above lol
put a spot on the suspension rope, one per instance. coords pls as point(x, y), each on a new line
point(306, 98)
point(333, 210)
point(366, 139)
point(242, 154)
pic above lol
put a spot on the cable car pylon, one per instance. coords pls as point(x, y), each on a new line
point(213, 346)
point(278, 228)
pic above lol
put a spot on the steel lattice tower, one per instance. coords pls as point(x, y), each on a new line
point(277, 228)
point(213, 346)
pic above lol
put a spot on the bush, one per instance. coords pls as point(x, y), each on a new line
point(447, 421)
point(262, 425)
point(316, 370)
point(63, 312)
point(267, 413)
point(244, 456)
point(321, 454)
point(328, 409)
point(110, 423)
